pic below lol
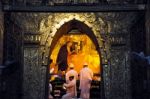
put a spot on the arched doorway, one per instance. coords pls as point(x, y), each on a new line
point(86, 49)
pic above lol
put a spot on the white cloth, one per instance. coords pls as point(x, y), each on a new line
point(50, 87)
point(74, 73)
point(86, 76)
point(71, 72)
point(50, 90)
point(50, 96)
point(70, 90)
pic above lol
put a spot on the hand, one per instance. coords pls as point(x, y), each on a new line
point(64, 87)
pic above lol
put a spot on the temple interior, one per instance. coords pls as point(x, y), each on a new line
point(40, 38)
point(85, 51)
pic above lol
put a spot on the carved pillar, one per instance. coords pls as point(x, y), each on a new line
point(120, 78)
point(34, 73)
point(1, 34)
point(120, 67)
point(148, 29)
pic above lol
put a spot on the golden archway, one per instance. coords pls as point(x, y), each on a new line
point(86, 46)
point(59, 24)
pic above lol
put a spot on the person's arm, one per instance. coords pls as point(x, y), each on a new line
point(76, 76)
point(69, 84)
point(67, 78)
point(68, 49)
point(90, 75)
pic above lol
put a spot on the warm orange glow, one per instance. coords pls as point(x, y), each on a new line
point(85, 51)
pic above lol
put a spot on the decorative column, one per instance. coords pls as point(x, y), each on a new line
point(1, 34)
point(119, 66)
point(105, 55)
point(34, 72)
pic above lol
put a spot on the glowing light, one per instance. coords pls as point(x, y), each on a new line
point(61, 23)
point(85, 52)
point(51, 70)
point(57, 26)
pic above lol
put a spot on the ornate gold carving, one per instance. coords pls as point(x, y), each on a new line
point(54, 21)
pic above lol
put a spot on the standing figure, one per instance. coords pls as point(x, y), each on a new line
point(86, 76)
point(70, 86)
point(74, 73)
point(63, 53)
